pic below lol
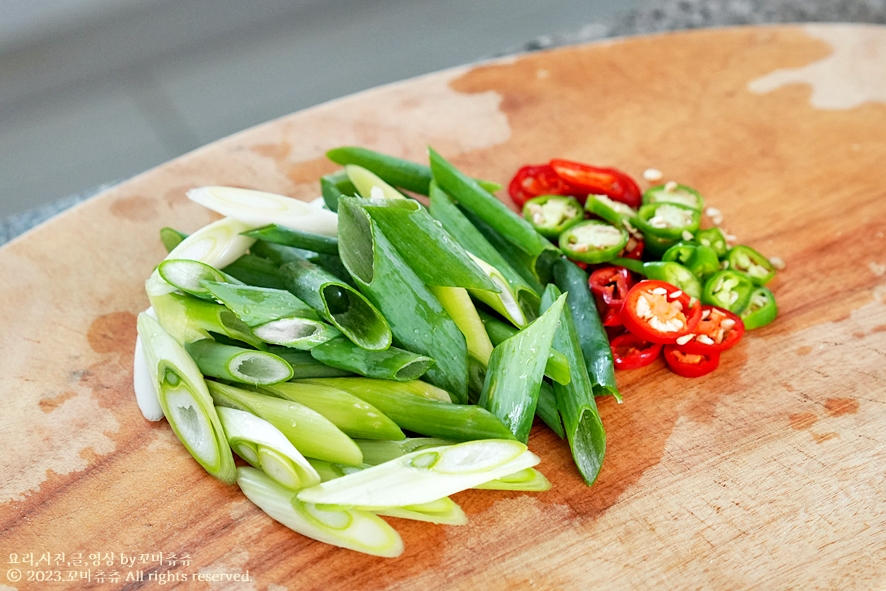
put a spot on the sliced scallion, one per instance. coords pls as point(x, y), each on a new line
point(190, 319)
point(259, 208)
point(350, 413)
point(391, 364)
point(296, 238)
point(237, 364)
point(515, 373)
point(263, 445)
point(185, 400)
point(310, 432)
point(424, 476)
point(346, 528)
point(188, 276)
point(370, 185)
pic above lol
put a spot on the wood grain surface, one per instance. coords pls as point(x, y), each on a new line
point(767, 474)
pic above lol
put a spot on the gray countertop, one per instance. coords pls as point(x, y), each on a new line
point(664, 15)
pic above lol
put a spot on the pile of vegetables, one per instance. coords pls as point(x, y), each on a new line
point(373, 352)
point(662, 284)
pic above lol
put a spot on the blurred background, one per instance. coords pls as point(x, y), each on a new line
point(95, 91)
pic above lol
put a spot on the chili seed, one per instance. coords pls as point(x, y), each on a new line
point(686, 338)
point(705, 340)
point(777, 262)
point(652, 174)
point(670, 186)
point(659, 291)
point(675, 294)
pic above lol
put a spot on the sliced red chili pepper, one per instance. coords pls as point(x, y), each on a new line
point(690, 365)
point(592, 180)
point(611, 283)
point(634, 249)
point(536, 180)
point(659, 312)
point(631, 352)
point(717, 331)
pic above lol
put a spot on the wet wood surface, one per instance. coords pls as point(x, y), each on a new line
point(767, 474)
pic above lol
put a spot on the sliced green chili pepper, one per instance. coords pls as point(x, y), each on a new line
point(667, 221)
point(552, 214)
point(655, 247)
point(761, 309)
point(729, 290)
point(713, 238)
point(593, 241)
point(614, 212)
point(673, 193)
point(675, 274)
point(701, 260)
point(750, 262)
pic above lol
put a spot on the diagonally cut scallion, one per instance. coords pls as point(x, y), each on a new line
point(370, 185)
point(188, 275)
point(310, 432)
point(424, 476)
point(305, 366)
point(143, 382)
point(528, 480)
point(458, 304)
point(516, 370)
point(185, 401)
point(259, 208)
point(556, 366)
point(263, 445)
point(433, 418)
point(236, 364)
point(351, 414)
point(296, 238)
point(190, 319)
point(391, 364)
point(346, 528)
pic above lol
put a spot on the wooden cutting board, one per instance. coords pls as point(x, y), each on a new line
point(767, 474)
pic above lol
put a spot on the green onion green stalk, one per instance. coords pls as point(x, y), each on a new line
point(419, 413)
point(515, 373)
point(310, 432)
point(575, 400)
point(236, 364)
point(391, 364)
point(417, 319)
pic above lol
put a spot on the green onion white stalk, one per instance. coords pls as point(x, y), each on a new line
point(354, 416)
point(236, 364)
point(263, 445)
point(185, 400)
point(259, 208)
point(458, 304)
point(310, 432)
point(505, 301)
point(526, 480)
point(424, 476)
point(346, 528)
point(443, 511)
point(142, 381)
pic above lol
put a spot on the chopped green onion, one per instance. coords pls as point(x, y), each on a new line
point(255, 271)
point(418, 321)
point(337, 302)
point(520, 233)
point(433, 418)
point(379, 452)
point(188, 276)
point(190, 319)
point(237, 364)
point(143, 382)
point(547, 409)
point(575, 400)
point(458, 304)
point(267, 448)
point(515, 373)
point(390, 364)
point(296, 238)
point(556, 366)
point(170, 237)
point(528, 479)
point(185, 400)
point(259, 208)
point(346, 528)
point(591, 334)
point(443, 511)
point(424, 476)
point(310, 432)
point(305, 366)
point(505, 302)
point(350, 413)
point(336, 185)
point(370, 185)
